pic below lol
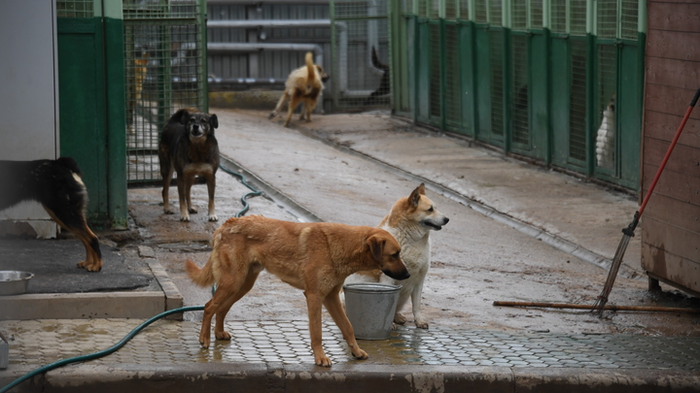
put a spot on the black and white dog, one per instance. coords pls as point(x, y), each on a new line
point(58, 186)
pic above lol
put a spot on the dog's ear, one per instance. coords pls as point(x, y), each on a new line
point(414, 198)
point(184, 117)
point(376, 246)
point(214, 121)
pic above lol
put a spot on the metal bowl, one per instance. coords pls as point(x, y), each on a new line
point(14, 282)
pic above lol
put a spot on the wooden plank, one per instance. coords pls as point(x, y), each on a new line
point(683, 158)
point(682, 186)
point(673, 72)
point(673, 45)
point(669, 237)
point(669, 99)
point(671, 267)
point(674, 16)
point(663, 126)
point(681, 214)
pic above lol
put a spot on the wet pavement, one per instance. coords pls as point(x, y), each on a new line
point(470, 344)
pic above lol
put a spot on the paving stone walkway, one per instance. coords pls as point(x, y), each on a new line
point(39, 342)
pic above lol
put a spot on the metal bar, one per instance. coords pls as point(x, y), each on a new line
point(589, 307)
point(268, 23)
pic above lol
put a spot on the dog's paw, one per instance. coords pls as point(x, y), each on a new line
point(223, 335)
point(421, 324)
point(93, 267)
point(323, 361)
point(192, 210)
point(271, 115)
point(213, 217)
point(185, 218)
point(360, 354)
point(168, 211)
point(399, 319)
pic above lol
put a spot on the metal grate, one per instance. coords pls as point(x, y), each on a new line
point(433, 9)
point(606, 19)
point(577, 17)
point(75, 8)
point(519, 15)
point(630, 14)
point(481, 11)
point(407, 6)
point(453, 104)
point(164, 65)
point(451, 9)
point(536, 14)
point(422, 10)
point(496, 12)
point(464, 9)
point(521, 101)
point(558, 15)
point(577, 110)
point(435, 73)
point(496, 61)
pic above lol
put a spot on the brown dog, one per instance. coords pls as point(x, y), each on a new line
point(188, 147)
point(314, 257)
point(304, 85)
point(57, 185)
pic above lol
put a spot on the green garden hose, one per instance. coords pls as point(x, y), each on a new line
point(244, 198)
point(96, 355)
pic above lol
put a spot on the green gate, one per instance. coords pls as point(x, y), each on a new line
point(91, 96)
point(558, 81)
point(356, 30)
point(165, 62)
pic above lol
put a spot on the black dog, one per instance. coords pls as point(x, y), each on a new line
point(57, 185)
point(384, 86)
point(188, 147)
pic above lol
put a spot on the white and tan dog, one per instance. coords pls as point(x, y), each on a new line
point(410, 222)
point(304, 86)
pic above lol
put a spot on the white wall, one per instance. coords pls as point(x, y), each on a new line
point(29, 99)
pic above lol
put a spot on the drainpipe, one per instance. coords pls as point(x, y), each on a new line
point(236, 47)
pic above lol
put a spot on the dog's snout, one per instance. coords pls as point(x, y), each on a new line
point(446, 221)
point(401, 275)
point(197, 130)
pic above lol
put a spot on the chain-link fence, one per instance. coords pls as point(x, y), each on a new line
point(165, 47)
point(361, 57)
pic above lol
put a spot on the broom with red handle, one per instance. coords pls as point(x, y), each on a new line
point(628, 232)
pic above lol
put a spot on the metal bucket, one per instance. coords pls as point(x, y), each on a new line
point(370, 308)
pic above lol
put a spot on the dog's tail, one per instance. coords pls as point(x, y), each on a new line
point(203, 277)
point(310, 69)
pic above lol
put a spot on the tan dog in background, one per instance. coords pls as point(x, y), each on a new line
point(313, 257)
point(410, 222)
point(304, 85)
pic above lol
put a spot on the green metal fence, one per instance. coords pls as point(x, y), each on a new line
point(558, 81)
point(91, 111)
point(165, 64)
